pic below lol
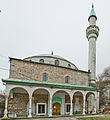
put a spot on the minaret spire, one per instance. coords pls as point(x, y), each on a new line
point(92, 13)
point(92, 5)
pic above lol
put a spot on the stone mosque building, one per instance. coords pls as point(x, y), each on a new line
point(48, 84)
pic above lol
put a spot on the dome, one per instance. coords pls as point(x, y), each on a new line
point(50, 58)
point(50, 55)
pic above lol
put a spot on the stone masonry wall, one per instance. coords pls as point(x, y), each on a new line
point(18, 104)
point(33, 71)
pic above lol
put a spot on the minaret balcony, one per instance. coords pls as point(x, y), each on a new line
point(92, 31)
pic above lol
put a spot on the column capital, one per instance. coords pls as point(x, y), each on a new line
point(51, 95)
point(6, 96)
point(71, 93)
point(30, 97)
point(84, 94)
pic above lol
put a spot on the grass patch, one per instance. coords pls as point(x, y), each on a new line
point(95, 119)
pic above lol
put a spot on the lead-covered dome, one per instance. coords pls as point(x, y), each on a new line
point(51, 59)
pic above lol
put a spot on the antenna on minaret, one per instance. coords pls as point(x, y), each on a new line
point(52, 52)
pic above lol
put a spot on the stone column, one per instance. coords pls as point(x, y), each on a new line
point(95, 104)
point(71, 102)
point(97, 107)
point(30, 107)
point(50, 105)
point(84, 104)
point(6, 105)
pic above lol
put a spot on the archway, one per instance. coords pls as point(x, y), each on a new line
point(17, 102)
point(40, 102)
point(90, 103)
point(61, 103)
point(78, 102)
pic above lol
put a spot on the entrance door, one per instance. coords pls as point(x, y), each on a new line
point(56, 109)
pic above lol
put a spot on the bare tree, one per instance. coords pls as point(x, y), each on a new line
point(103, 84)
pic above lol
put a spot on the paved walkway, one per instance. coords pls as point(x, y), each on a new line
point(62, 118)
point(58, 118)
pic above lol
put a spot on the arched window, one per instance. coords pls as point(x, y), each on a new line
point(41, 60)
point(67, 79)
point(56, 62)
point(45, 77)
point(69, 65)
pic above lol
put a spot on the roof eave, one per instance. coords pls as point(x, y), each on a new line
point(48, 85)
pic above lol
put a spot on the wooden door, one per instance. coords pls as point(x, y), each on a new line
point(56, 109)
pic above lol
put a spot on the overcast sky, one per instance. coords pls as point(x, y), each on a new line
point(32, 27)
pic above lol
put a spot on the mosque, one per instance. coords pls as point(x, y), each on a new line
point(47, 84)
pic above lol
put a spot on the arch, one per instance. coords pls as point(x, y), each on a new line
point(21, 87)
point(40, 99)
point(18, 99)
point(78, 102)
point(61, 97)
point(46, 89)
point(56, 99)
point(90, 93)
point(66, 91)
point(78, 91)
point(90, 102)
point(41, 95)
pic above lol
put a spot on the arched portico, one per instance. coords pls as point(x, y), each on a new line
point(46, 98)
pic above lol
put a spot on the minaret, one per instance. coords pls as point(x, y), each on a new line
point(92, 33)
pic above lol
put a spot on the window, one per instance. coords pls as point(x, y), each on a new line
point(45, 77)
point(41, 108)
point(68, 107)
point(41, 60)
point(56, 62)
point(67, 79)
point(69, 65)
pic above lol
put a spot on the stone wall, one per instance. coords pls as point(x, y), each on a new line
point(20, 69)
point(18, 104)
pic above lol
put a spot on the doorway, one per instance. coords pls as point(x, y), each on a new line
point(56, 108)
